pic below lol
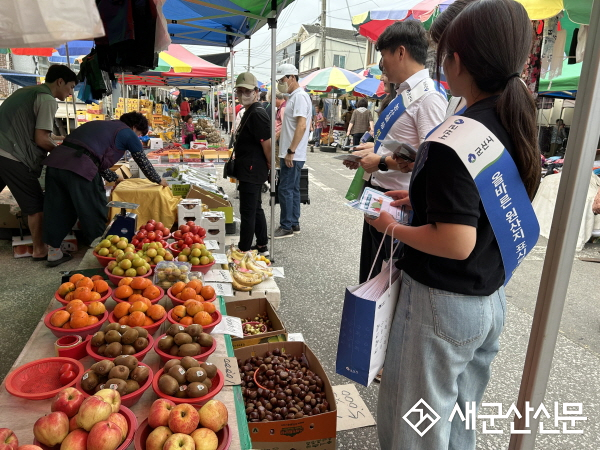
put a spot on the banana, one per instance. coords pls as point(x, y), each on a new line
point(240, 287)
point(247, 279)
point(250, 264)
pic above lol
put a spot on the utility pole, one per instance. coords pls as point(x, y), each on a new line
point(323, 20)
point(248, 68)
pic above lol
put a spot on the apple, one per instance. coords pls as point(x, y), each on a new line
point(8, 439)
point(29, 447)
point(110, 396)
point(52, 428)
point(67, 377)
point(75, 440)
point(121, 422)
point(213, 415)
point(149, 227)
point(205, 439)
point(68, 401)
point(179, 441)
point(104, 435)
point(194, 229)
point(159, 234)
point(184, 228)
point(152, 221)
point(177, 235)
point(183, 419)
point(159, 226)
point(93, 410)
point(73, 423)
point(190, 223)
point(159, 412)
point(152, 235)
point(157, 438)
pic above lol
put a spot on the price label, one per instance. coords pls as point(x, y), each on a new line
point(211, 245)
point(229, 368)
point(351, 409)
point(229, 325)
point(295, 337)
point(223, 289)
point(219, 276)
point(278, 272)
point(220, 258)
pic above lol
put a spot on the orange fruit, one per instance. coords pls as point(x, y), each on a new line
point(96, 308)
point(188, 293)
point(207, 292)
point(134, 298)
point(66, 326)
point(138, 291)
point(79, 319)
point(199, 298)
point(148, 321)
point(203, 318)
point(75, 278)
point(136, 319)
point(138, 306)
point(195, 285)
point(209, 307)
point(123, 292)
point(121, 310)
point(70, 296)
point(95, 296)
point(97, 277)
point(65, 288)
point(83, 293)
point(125, 281)
point(59, 318)
point(151, 292)
point(156, 312)
point(92, 320)
point(124, 320)
point(76, 305)
point(85, 282)
point(187, 320)
point(193, 307)
point(100, 286)
point(179, 296)
point(138, 283)
point(177, 287)
point(178, 312)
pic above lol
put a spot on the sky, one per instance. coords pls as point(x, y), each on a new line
point(339, 13)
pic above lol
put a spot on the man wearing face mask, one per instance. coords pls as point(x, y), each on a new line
point(293, 142)
point(252, 163)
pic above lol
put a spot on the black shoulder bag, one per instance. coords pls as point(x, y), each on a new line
point(229, 167)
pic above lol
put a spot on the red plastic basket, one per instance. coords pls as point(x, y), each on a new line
point(141, 435)
point(174, 250)
point(203, 268)
point(156, 300)
point(217, 385)
point(83, 332)
point(175, 301)
point(114, 279)
point(102, 299)
point(151, 328)
point(39, 380)
point(206, 351)
point(129, 399)
point(217, 317)
point(139, 356)
point(104, 260)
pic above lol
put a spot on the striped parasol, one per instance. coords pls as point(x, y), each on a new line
point(325, 80)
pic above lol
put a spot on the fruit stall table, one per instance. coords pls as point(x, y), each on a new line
point(20, 414)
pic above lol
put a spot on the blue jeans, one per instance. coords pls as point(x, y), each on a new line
point(289, 194)
point(440, 349)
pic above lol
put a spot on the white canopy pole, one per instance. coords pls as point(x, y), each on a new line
point(566, 222)
point(273, 26)
point(232, 90)
point(73, 96)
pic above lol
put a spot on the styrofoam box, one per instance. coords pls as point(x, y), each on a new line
point(267, 289)
point(214, 224)
point(156, 143)
point(189, 209)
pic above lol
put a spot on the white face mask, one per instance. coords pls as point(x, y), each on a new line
point(282, 87)
point(248, 98)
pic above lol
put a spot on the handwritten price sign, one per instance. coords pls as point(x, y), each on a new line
point(223, 289)
point(229, 368)
point(351, 410)
point(229, 325)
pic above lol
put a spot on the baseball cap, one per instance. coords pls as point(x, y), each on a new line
point(286, 69)
point(246, 80)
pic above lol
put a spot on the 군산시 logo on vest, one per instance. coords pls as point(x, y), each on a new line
point(471, 158)
point(459, 121)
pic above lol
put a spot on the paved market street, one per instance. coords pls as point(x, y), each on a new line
point(320, 262)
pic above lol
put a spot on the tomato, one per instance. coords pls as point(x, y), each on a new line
point(201, 232)
point(197, 239)
point(144, 232)
point(149, 227)
point(194, 229)
point(177, 235)
point(188, 240)
point(145, 241)
point(66, 367)
point(159, 226)
point(184, 228)
point(135, 242)
point(190, 223)
point(152, 221)
point(67, 377)
point(152, 235)
point(159, 234)
point(180, 243)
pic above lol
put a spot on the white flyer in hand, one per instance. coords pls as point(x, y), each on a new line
point(372, 202)
point(400, 149)
point(348, 157)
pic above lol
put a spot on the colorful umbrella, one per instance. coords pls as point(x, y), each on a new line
point(325, 80)
point(369, 87)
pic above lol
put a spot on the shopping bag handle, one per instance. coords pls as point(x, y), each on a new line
point(379, 250)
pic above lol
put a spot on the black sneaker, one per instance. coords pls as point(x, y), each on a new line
point(262, 251)
point(296, 229)
point(283, 233)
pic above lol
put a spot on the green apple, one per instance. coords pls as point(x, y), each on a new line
point(151, 252)
point(161, 252)
point(141, 270)
point(195, 261)
point(131, 272)
point(196, 252)
point(121, 244)
point(125, 264)
point(211, 259)
point(186, 251)
point(168, 256)
point(204, 252)
point(158, 259)
point(204, 260)
point(114, 239)
point(103, 251)
point(111, 265)
point(118, 271)
point(130, 256)
point(182, 257)
point(112, 249)
point(138, 262)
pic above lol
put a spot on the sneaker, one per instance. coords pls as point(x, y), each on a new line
point(283, 233)
point(262, 251)
point(296, 229)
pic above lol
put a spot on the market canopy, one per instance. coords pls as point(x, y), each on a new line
point(565, 85)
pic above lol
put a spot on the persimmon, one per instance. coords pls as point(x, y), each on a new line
point(178, 312)
point(136, 319)
point(95, 296)
point(65, 288)
point(76, 305)
point(138, 291)
point(83, 293)
point(76, 277)
point(138, 283)
point(70, 296)
point(79, 319)
point(123, 292)
point(126, 281)
point(96, 308)
point(208, 292)
point(179, 296)
point(135, 298)
point(85, 282)
point(138, 306)
point(193, 307)
point(203, 318)
point(66, 326)
point(195, 285)
point(97, 277)
point(59, 318)
point(156, 312)
point(199, 298)
point(121, 310)
point(124, 320)
point(151, 292)
point(177, 287)
point(209, 307)
point(187, 320)
point(92, 320)
point(148, 321)
point(100, 286)
point(188, 293)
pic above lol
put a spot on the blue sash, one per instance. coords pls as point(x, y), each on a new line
point(500, 187)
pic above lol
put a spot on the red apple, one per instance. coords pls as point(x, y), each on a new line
point(143, 232)
point(52, 428)
point(152, 235)
point(180, 243)
point(159, 234)
point(145, 241)
point(213, 415)
point(185, 228)
point(67, 377)
point(152, 221)
point(179, 441)
point(201, 232)
point(205, 439)
point(197, 239)
point(159, 226)
point(183, 419)
point(149, 227)
point(8, 439)
point(93, 410)
point(110, 396)
point(68, 401)
point(73, 423)
point(75, 440)
point(29, 447)
point(121, 422)
point(135, 242)
point(188, 240)
point(190, 223)
point(159, 412)
point(157, 438)
point(104, 435)
point(194, 229)
point(177, 235)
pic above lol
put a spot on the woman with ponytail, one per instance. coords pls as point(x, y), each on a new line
point(452, 305)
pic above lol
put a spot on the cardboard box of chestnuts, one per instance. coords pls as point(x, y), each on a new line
point(308, 432)
point(250, 310)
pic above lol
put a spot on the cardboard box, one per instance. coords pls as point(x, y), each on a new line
point(310, 432)
point(8, 220)
point(267, 289)
point(213, 202)
point(121, 169)
point(214, 224)
point(189, 210)
point(249, 310)
point(180, 190)
point(174, 157)
point(22, 248)
point(156, 143)
point(192, 156)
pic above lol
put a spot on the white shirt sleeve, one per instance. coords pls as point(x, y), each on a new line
point(430, 114)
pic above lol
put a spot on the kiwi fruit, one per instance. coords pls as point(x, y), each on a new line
point(113, 349)
point(210, 369)
point(165, 343)
point(194, 330)
point(170, 363)
point(174, 329)
point(121, 372)
point(103, 367)
point(140, 344)
point(196, 389)
point(117, 384)
point(174, 351)
point(89, 380)
point(99, 387)
point(142, 332)
point(198, 347)
point(131, 386)
point(188, 361)
point(182, 338)
point(140, 374)
point(188, 350)
point(129, 336)
point(168, 385)
point(178, 373)
point(182, 392)
point(126, 360)
point(205, 340)
point(112, 336)
point(123, 328)
point(128, 350)
point(100, 350)
point(194, 374)
point(112, 326)
point(207, 383)
point(98, 339)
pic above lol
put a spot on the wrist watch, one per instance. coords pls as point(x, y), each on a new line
point(290, 152)
point(382, 165)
